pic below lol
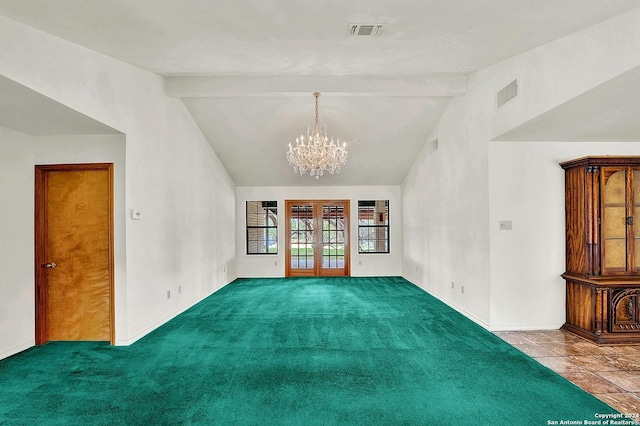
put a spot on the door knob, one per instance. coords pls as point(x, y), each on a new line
point(51, 265)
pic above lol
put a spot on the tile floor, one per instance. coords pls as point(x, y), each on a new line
point(611, 373)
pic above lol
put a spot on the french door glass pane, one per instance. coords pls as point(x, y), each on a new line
point(333, 237)
point(301, 237)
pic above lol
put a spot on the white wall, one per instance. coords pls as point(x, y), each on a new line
point(186, 236)
point(93, 149)
point(451, 197)
point(19, 153)
point(527, 291)
point(446, 211)
point(17, 311)
point(361, 264)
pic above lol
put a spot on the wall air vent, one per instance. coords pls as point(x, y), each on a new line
point(507, 94)
point(366, 30)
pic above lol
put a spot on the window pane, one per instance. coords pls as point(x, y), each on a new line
point(373, 226)
point(262, 227)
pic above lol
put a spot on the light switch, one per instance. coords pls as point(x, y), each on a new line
point(136, 214)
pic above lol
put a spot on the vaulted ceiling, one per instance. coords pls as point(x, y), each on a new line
point(246, 70)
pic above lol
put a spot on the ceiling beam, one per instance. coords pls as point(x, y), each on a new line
point(427, 85)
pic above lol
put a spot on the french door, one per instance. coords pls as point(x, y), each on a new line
point(317, 242)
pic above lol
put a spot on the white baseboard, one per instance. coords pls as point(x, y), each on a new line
point(453, 306)
point(149, 329)
point(525, 327)
point(17, 349)
point(261, 276)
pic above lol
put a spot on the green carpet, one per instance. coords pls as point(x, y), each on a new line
point(300, 351)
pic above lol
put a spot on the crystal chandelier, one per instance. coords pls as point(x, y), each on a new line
point(317, 153)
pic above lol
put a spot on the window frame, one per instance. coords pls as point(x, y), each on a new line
point(270, 211)
point(370, 204)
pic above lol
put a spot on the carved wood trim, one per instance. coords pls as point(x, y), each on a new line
point(633, 323)
point(601, 161)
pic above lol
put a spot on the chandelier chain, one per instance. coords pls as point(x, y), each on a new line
point(317, 95)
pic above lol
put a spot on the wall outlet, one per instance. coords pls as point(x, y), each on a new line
point(275, 263)
point(136, 214)
point(462, 289)
point(224, 269)
point(179, 289)
point(168, 294)
point(453, 285)
point(506, 225)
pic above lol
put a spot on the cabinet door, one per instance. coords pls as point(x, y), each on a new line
point(635, 213)
point(620, 213)
point(615, 247)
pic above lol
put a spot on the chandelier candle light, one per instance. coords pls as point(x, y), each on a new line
point(318, 153)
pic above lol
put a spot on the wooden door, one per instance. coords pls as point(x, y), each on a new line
point(74, 252)
point(317, 242)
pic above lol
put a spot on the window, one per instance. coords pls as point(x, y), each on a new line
point(262, 227)
point(373, 226)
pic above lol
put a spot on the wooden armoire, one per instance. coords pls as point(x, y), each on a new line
point(602, 203)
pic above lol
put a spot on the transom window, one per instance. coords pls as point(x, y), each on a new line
point(262, 227)
point(373, 226)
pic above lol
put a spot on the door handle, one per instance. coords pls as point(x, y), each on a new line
point(51, 265)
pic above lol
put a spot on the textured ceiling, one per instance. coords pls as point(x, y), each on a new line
point(609, 112)
point(246, 70)
point(306, 37)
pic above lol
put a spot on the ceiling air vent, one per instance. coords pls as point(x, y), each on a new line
point(507, 94)
point(366, 30)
